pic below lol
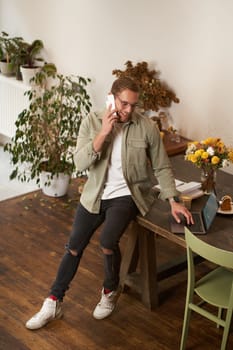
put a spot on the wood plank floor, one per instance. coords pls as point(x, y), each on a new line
point(34, 230)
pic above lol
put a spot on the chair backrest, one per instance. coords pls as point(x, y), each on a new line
point(218, 256)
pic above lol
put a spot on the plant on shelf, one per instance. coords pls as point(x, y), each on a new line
point(28, 57)
point(1, 53)
point(30, 53)
point(18, 59)
point(47, 130)
point(9, 46)
point(155, 94)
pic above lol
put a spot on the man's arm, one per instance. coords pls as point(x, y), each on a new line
point(90, 141)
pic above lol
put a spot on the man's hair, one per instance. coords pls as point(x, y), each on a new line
point(124, 83)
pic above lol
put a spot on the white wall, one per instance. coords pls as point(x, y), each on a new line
point(189, 41)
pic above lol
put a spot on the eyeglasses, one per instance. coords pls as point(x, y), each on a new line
point(125, 104)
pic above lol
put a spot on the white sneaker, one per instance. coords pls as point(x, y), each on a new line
point(106, 305)
point(51, 310)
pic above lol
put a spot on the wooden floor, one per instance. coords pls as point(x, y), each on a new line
point(34, 230)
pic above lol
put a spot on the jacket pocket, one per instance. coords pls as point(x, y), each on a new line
point(137, 160)
point(137, 143)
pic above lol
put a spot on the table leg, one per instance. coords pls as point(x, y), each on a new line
point(140, 251)
point(148, 268)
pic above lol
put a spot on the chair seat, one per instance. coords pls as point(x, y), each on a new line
point(215, 287)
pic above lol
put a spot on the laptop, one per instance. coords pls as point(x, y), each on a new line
point(202, 216)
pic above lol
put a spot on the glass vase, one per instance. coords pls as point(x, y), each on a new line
point(208, 180)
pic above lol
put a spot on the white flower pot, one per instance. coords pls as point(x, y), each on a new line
point(28, 73)
point(58, 186)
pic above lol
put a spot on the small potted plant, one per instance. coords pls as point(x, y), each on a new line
point(29, 57)
point(9, 46)
point(18, 59)
point(47, 130)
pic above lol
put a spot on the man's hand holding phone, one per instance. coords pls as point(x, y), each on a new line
point(110, 117)
point(110, 104)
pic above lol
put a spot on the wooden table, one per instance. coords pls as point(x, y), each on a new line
point(141, 245)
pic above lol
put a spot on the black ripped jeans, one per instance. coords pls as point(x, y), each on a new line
point(116, 214)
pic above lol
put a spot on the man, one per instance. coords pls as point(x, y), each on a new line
point(119, 148)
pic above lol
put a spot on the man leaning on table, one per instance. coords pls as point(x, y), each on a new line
point(114, 146)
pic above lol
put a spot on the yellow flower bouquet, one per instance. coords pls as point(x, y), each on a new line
point(209, 155)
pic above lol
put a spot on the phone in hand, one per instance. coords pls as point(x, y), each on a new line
point(110, 101)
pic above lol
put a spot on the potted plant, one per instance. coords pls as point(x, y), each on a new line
point(47, 130)
point(29, 59)
point(155, 94)
point(18, 59)
point(9, 46)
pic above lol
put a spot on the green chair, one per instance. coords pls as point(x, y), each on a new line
point(215, 288)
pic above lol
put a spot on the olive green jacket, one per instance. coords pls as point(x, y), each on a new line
point(143, 155)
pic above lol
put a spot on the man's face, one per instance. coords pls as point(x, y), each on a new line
point(125, 103)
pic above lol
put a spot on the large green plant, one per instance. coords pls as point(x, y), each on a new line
point(47, 130)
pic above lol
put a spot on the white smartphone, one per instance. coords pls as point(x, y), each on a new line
point(110, 101)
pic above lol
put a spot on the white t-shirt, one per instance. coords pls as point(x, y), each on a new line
point(115, 185)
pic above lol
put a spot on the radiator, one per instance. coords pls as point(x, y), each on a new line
point(12, 102)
